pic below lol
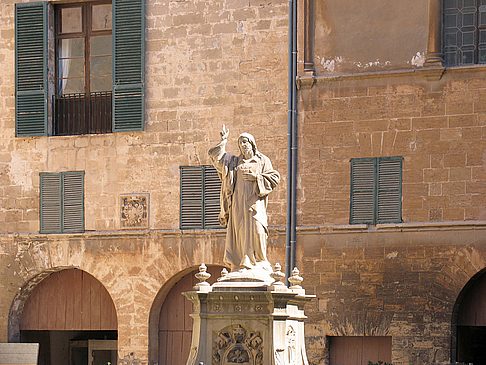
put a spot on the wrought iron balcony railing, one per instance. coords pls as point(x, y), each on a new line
point(83, 113)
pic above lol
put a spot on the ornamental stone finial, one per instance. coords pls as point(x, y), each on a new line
point(296, 279)
point(202, 276)
point(277, 275)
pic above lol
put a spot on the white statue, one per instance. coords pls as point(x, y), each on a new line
point(246, 181)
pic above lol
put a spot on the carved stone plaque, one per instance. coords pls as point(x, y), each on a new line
point(134, 210)
point(237, 345)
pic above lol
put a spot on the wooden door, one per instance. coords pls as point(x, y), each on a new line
point(69, 299)
point(175, 323)
point(358, 350)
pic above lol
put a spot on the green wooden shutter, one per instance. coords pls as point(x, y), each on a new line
point(363, 177)
point(212, 187)
point(50, 203)
point(191, 214)
point(128, 64)
point(389, 192)
point(73, 201)
point(31, 69)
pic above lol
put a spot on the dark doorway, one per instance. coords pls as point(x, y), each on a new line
point(470, 326)
point(471, 344)
point(74, 347)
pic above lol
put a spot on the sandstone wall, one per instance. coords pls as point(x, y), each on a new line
point(394, 281)
point(207, 63)
point(439, 127)
point(400, 282)
point(364, 36)
point(132, 267)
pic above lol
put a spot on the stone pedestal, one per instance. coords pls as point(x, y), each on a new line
point(248, 319)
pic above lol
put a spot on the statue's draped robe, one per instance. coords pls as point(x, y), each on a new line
point(244, 206)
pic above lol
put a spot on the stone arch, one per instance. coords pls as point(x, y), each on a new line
point(467, 295)
point(20, 301)
point(165, 291)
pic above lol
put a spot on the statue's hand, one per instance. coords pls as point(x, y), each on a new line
point(224, 133)
point(249, 176)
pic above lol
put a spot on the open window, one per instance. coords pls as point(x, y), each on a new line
point(83, 99)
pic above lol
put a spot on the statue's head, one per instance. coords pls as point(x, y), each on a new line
point(243, 140)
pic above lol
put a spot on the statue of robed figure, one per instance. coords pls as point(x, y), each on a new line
point(246, 181)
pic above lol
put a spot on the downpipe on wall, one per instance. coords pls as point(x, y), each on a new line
point(291, 236)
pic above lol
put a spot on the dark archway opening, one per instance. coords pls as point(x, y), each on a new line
point(73, 347)
point(72, 317)
point(469, 322)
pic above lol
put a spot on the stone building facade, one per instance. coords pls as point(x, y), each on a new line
point(370, 86)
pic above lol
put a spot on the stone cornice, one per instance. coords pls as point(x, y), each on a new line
point(395, 227)
point(279, 230)
point(307, 81)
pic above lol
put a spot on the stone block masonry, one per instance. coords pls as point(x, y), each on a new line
point(443, 145)
point(207, 63)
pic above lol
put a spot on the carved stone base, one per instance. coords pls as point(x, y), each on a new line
point(241, 323)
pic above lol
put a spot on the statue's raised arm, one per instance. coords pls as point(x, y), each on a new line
point(246, 181)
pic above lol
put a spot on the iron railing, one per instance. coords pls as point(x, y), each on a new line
point(83, 113)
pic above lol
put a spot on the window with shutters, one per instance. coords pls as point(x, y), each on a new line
point(62, 202)
point(98, 67)
point(376, 190)
point(200, 189)
point(464, 32)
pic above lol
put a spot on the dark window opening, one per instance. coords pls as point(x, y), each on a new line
point(83, 99)
point(464, 32)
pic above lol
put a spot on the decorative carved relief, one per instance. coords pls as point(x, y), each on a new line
point(192, 355)
point(130, 359)
point(217, 307)
point(279, 357)
point(291, 342)
point(237, 345)
point(134, 210)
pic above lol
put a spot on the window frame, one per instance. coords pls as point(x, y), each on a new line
point(86, 33)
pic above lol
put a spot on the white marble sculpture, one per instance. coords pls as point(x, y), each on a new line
point(248, 317)
point(246, 181)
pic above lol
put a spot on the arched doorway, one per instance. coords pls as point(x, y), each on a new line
point(73, 318)
point(470, 322)
point(174, 329)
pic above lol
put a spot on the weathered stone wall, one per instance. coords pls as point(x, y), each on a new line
point(396, 281)
point(363, 36)
point(132, 267)
point(207, 63)
point(439, 127)
point(400, 282)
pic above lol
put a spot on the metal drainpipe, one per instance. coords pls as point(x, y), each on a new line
point(291, 238)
